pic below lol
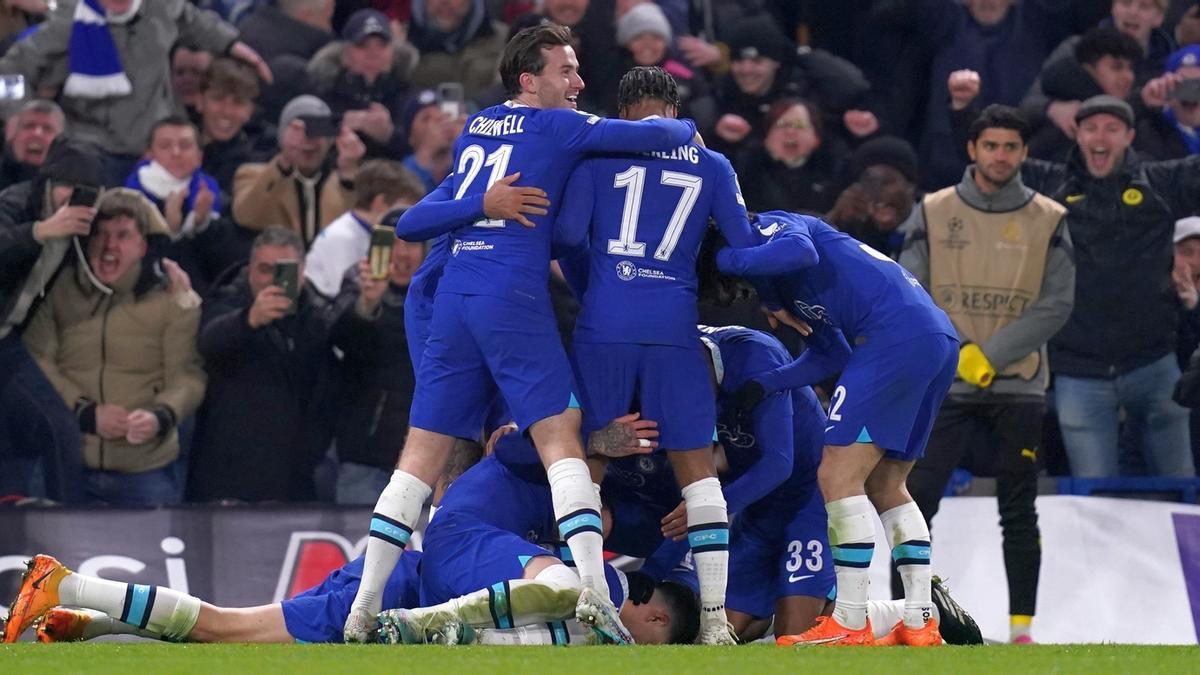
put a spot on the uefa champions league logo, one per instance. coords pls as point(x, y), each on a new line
point(626, 270)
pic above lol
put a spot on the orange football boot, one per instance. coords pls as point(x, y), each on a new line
point(38, 594)
point(829, 632)
point(62, 625)
point(901, 635)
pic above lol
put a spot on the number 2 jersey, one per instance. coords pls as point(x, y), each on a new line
point(506, 259)
point(647, 213)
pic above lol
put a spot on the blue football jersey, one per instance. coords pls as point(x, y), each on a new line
point(775, 447)
point(648, 213)
point(826, 277)
point(503, 258)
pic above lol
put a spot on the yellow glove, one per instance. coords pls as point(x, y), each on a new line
point(973, 366)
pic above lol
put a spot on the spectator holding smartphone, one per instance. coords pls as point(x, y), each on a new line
point(36, 228)
point(306, 185)
point(260, 430)
point(380, 187)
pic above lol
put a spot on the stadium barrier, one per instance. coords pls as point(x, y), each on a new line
point(1113, 570)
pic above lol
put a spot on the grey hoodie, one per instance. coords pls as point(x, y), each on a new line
point(1041, 320)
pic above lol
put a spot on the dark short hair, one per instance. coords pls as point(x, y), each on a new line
point(230, 76)
point(172, 121)
point(1107, 41)
point(523, 53)
point(278, 235)
point(998, 116)
point(647, 82)
point(681, 602)
point(383, 177)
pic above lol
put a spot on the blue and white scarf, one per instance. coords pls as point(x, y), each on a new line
point(153, 180)
point(95, 66)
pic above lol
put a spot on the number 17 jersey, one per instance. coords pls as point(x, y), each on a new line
point(648, 213)
point(503, 258)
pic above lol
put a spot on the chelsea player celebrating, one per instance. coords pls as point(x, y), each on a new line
point(881, 411)
point(493, 327)
point(636, 336)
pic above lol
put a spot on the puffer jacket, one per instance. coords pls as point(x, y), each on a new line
point(120, 124)
point(133, 346)
point(1125, 311)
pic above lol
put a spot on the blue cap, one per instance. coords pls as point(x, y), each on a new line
point(364, 23)
point(1184, 56)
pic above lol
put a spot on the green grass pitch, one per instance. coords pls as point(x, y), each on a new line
point(140, 659)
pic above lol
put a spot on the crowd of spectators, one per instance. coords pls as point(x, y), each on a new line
point(148, 356)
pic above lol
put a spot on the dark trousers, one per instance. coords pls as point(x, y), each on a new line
point(998, 439)
point(35, 426)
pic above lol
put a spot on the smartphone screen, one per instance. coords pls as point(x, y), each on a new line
point(287, 277)
point(12, 87)
point(319, 126)
point(380, 256)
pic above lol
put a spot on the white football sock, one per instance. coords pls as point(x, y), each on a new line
point(708, 537)
point(396, 513)
point(577, 510)
point(550, 596)
point(852, 536)
point(157, 610)
point(909, 536)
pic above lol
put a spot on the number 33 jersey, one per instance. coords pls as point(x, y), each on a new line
point(647, 214)
point(503, 258)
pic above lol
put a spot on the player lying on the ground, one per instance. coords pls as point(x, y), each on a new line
point(99, 608)
point(891, 385)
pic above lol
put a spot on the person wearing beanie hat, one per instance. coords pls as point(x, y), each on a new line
point(871, 209)
point(297, 188)
point(642, 19)
point(646, 36)
point(1172, 129)
point(1122, 212)
point(37, 227)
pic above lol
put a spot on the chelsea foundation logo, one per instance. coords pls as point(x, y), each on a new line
point(626, 270)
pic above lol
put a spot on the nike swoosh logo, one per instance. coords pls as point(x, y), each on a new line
point(793, 578)
point(37, 583)
point(829, 427)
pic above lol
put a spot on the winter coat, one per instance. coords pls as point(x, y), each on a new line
point(260, 430)
point(263, 195)
point(134, 347)
point(810, 188)
point(120, 125)
point(1121, 227)
point(470, 55)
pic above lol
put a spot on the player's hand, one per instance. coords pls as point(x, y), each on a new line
point(142, 426)
point(1062, 113)
point(504, 201)
point(112, 421)
point(499, 433)
point(733, 128)
point(860, 123)
point(674, 525)
point(788, 319)
point(370, 290)
point(68, 221)
point(270, 304)
point(1185, 285)
point(624, 436)
point(964, 88)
